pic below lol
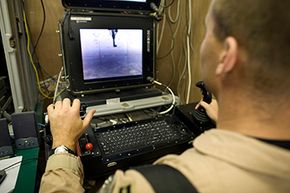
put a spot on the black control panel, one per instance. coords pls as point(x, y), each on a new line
point(103, 158)
point(134, 143)
point(171, 133)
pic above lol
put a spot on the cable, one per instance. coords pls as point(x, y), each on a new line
point(189, 71)
point(160, 9)
point(57, 84)
point(31, 59)
point(40, 68)
point(188, 51)
point(171, 92)
point(160, 37)
point(154, 7)
point(172, 46)
point(169, 4)
point(172, 56)
point(176, 21)
point(174, 33)
point(177, 13)
point(182, 73)
point(159, 12)
point(32, 62)
point(42, 27)
point(173, 70)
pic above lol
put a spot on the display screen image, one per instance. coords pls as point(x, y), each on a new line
point(110, 53)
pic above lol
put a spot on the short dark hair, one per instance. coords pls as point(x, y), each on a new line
point(262, 28)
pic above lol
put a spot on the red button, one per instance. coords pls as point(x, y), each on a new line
point(89, 146)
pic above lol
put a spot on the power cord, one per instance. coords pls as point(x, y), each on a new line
point(171, 92)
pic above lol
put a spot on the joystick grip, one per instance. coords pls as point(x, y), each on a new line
point(207, 96)
point(199, 114)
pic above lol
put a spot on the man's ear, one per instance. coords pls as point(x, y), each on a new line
point(228, 58)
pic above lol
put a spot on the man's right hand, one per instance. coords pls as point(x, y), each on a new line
point(66, 124)
point(211, 109)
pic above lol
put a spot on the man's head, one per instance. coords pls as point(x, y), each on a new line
point(247, 41)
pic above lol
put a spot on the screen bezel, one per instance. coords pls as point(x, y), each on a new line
point(72, 50)
point(110, 4)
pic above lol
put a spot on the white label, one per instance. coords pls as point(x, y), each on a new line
point(113, 101)
point(81, 18)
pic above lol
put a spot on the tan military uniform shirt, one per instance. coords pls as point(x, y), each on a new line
point(221, 161)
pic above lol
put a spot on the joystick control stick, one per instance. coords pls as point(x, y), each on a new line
point(199, 114)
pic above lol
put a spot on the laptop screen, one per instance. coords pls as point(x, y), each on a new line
point(108, 52)
point(111, 53)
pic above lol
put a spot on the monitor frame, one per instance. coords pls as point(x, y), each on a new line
point(72, 56)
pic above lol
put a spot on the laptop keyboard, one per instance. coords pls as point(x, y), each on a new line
point(139, 135)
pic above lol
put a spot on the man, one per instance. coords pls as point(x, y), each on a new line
point(245, 62)
point(114, 32)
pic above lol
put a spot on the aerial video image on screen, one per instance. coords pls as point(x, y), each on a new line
point(109, 53)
